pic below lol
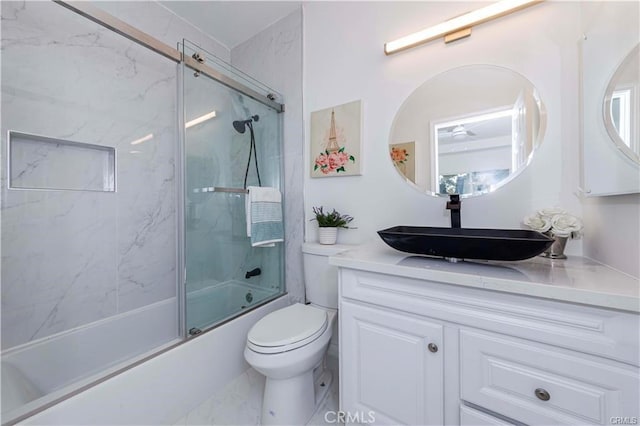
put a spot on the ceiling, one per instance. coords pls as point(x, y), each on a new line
point(232, 22)
point(485, 129)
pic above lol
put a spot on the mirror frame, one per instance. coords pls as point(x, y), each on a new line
point(540, 137)
point(606, 108)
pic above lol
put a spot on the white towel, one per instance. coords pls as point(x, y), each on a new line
point(263, 206)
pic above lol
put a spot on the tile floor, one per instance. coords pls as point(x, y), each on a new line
point(240, 402)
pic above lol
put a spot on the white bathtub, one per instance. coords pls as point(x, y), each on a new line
point(58, 364)
point(216, 302)
point(164, 389)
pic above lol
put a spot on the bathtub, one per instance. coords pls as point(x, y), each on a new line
point(214, 302)
point(43, 370)
point(165, 388)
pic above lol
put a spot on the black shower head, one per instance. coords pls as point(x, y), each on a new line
point(240, 126)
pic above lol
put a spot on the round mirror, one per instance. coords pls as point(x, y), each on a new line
point(467, 131)
point(622, 105)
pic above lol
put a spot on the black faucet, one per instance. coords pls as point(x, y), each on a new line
point(252, 273)
point(454, 204)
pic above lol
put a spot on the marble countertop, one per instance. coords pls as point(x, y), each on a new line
point(576, 279)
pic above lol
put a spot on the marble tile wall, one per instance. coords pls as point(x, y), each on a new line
point(74, 257)
point(274, 56)
point(163, 24)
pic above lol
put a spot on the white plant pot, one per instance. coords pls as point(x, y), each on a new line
point(327, 235)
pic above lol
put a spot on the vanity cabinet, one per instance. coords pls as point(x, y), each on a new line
point(432, 351)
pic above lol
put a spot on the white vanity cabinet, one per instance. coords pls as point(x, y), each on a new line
point(423, 346)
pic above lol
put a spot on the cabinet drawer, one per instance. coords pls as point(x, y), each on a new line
point(540, 384)
point(472, 417)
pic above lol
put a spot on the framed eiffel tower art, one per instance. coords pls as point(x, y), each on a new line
point(336, 140)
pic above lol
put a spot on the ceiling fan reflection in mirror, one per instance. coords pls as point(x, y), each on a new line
point(459, 131)
point(477, 126)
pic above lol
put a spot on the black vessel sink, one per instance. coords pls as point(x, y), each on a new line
point(467, 243)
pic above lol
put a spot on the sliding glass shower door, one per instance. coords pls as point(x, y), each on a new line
point(225, 275)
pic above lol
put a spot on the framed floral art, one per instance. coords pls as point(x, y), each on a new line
point(336, 140)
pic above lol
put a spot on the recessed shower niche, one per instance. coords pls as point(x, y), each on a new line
point(39, 162)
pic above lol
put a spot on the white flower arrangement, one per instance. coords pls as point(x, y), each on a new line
point(555, 222)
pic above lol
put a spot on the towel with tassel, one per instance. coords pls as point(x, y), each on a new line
point(263, 206)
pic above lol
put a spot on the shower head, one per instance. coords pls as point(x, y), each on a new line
point(240, 126)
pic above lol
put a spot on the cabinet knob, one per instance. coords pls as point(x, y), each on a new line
point(542, 394)
point(432, 347)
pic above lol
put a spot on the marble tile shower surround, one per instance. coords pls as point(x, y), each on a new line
point(74, 257)
point(154, 18)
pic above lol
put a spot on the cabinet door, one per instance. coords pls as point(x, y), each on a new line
point(389, 373)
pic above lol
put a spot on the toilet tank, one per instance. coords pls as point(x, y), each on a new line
point(320, 278)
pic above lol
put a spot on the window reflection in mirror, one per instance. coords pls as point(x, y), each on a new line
point(622, 106)
point(475, 153)
point(621, 114)
point(466, 131)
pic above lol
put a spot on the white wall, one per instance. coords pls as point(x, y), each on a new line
point(612, 233)
point(274, 56)
point(344, 61)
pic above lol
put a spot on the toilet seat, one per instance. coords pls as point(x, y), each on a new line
point(287, 329)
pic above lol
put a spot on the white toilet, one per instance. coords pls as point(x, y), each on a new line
point(288, 346)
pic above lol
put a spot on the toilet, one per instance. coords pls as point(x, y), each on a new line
point(288, 346)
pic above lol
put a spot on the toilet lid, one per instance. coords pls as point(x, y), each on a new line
point(287, 326)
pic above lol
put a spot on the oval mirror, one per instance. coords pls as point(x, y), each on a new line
point(467, 131)
point(622, 105)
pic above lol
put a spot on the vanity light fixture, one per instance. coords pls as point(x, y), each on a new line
point(200, 119)
point(458, 27)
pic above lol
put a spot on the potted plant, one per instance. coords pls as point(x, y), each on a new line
point(328, 224)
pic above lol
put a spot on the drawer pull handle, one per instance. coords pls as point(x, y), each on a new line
point(542, 394)
point(432, 347)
